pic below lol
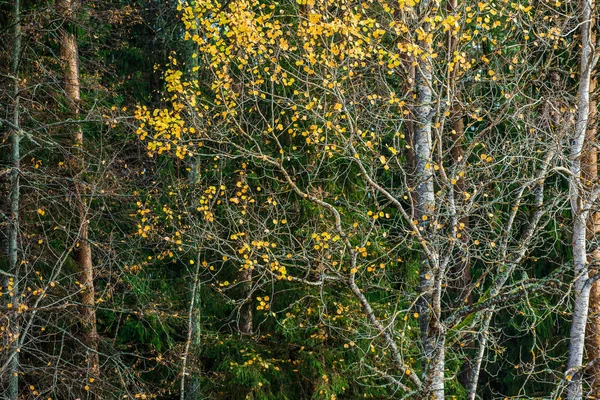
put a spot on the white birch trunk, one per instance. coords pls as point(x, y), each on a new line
point(580, 211)
point(580, 309)
point(429, 318)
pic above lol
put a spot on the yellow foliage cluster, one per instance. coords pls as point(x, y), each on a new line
point(246, 46)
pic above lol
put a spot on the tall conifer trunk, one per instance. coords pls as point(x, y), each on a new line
point(70, 61)
point(462, 266)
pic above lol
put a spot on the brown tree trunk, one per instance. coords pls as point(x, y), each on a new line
point(245, 322)
point(457, 153)
point(70, 61)
point(462, 267)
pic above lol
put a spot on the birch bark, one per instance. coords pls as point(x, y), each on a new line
point(580, 210)
point(589, 172)
point(429, 276)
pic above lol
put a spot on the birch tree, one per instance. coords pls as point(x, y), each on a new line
point(309, 97)
point(589, 176)
point(581, 199)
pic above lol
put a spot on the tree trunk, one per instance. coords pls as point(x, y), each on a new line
point(245, 321)
point(70, 60)
point(13, 223)
point(589, 172)
point(192, 389)
point(580, 310)
point(457, 153)
point(580, 204)
point(188, 390)
point(429, 318)
point(461, 269)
